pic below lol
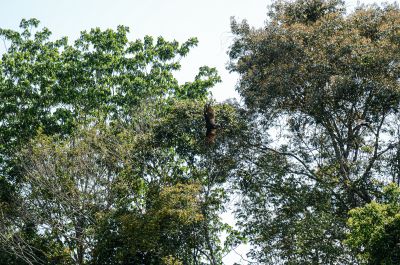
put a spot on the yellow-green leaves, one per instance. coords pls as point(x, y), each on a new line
point(374, 229)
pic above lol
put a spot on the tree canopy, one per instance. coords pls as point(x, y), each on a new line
point(103, 158)
point(323, 92)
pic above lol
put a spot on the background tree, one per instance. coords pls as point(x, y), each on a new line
point(322, 87)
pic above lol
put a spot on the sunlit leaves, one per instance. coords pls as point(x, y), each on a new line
point(374, 229)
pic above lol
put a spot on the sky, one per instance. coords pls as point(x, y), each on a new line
point(208, 20)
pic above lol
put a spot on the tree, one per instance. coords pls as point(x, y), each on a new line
point(52, 85)
point(58, 161)
point(322, 90)
point(176, 151)
point(375, 229)
point(108, 194)
point(75, 189)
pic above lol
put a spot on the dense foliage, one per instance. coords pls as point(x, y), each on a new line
point(103, 158)
point(375, 229)
point(322, 87)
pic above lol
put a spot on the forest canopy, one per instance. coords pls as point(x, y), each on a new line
point(105, 158)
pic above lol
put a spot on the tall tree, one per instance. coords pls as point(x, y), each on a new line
point(66, 186)
point(322, 89)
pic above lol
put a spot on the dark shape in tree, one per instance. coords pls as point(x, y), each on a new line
point(211, 126)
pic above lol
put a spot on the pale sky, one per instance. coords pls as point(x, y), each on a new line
point(208, 20)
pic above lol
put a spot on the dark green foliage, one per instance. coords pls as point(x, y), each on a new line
point(322, 87)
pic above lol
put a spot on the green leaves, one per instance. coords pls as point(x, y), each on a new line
point(54, 85)
point(100, 148)
point(374, 229)
point(304, 11)
point(323, 93)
